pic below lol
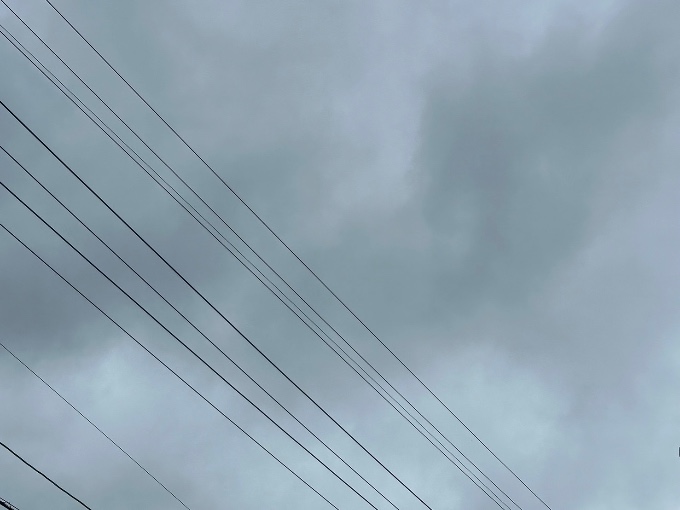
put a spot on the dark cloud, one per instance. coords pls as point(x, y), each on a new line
point(491, 190)
point(512, 158)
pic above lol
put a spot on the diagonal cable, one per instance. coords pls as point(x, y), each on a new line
point(189, 349)
point(357, 368)
point(184, 381)
point(199, 331)
point(289, 249)
point(113, 442)
point(442, 448)
point(44, 476)
point(213, 307)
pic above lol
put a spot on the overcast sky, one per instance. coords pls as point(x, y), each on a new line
point(491, 186)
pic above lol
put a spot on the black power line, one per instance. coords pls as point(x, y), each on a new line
point(451, 457)
point(194, 353)
point(285, 409)
point(114, 443)
point(292, 252)
point(43, 475)
point(215, 309)
point(6, 504)
point(184, 381)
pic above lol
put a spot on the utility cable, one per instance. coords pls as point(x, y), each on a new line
point(44, 475)
point(199, 331)
point(463, 468)
point(215, 309)
point(184, 381)
point(387, 397)
point(51, 76)
point(6, 504)
point(247, 264)
point(194, 353)
point(114, 443)
point(289, 249)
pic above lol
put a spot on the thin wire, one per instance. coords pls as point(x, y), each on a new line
point(194, 353)
point(204, 299)
point(114, 443)
point(248, 264)
point(43, 475)
point(7, 504)
point(52, 78)
point(236, 365)
point(289, 249)
point(441, 448)
point(186, 383)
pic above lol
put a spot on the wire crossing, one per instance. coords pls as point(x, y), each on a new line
point(44, 476)
point(380, 389)
point(292, 252)
point(114, 443)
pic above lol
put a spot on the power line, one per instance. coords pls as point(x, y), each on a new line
point(220, 350)
point(289, 249)
point(441, 448)
point(215, 309)
point(194, 353)
point(6, 504)
point(44, 476)
point(114, 443)
point(313, 310)
point(79, 220)
point(184, 381)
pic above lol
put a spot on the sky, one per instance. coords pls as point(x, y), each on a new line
point(490, 186)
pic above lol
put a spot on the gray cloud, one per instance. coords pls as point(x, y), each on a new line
point(491, 188)
point(511, 160)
